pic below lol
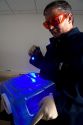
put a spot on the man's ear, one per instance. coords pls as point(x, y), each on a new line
point(70, 18)
point(60, 18)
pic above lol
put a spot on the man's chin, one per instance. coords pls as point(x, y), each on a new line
point(56, 35)
point(55, 32)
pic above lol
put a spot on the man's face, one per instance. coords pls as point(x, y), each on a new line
point(57, 21)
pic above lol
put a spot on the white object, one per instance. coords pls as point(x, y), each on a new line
point(6, 103)
point(47, 110)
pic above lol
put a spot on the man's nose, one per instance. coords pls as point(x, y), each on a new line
point(51, 27)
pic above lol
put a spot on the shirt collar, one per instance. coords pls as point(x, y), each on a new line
point(68, 34)
point(73, 31)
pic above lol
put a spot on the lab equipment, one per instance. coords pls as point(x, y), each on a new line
point(21, 96)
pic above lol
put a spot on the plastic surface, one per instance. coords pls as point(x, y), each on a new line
point(6, 103)
point(24, 93)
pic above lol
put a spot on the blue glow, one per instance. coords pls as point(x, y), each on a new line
point(25, 93)
point(33, 74)
point(33, 80)
point(33, 58)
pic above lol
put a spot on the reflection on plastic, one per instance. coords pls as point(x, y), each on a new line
point(24, 93)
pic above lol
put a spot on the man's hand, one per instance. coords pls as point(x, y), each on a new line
point(47, 110)
point(32, 50)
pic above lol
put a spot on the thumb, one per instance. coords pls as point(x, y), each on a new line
point(38, 117)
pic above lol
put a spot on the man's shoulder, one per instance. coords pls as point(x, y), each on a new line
point(77, 37)
point(77, 41)
point(80, 34)
point(74, 33)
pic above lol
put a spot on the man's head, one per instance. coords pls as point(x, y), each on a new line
point(58, 17)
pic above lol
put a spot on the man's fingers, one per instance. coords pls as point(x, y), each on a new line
point(37, 118)
point(40, 103)
point(32, 49)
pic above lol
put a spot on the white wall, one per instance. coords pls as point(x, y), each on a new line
point(17, 34)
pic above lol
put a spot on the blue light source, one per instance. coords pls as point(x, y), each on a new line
point(33, 58)
point(33, 80)
point(33, 74)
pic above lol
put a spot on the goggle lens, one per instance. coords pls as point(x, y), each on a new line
point(54, 21)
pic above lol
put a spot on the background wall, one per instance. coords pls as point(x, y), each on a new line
point(17, 34)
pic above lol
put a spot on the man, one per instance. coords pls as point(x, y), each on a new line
point(63, 64)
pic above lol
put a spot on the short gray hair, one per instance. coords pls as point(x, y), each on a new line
point(63, 5)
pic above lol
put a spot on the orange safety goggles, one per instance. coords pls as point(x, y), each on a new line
point(55, 21)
